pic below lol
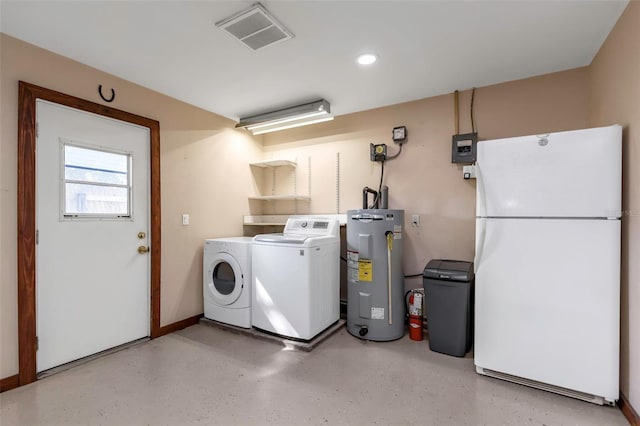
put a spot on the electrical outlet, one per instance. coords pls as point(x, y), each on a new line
point(185, 219)
point(469, 172)
point(415, 220)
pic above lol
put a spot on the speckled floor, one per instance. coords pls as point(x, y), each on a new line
point(203, 375)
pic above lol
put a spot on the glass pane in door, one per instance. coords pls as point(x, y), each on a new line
point(224, 279)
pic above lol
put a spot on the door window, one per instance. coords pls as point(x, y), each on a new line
point(224, 279)
point(96, 183)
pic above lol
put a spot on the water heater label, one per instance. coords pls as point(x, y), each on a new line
point(365, 270)
point(352, 263)
point(377, 313)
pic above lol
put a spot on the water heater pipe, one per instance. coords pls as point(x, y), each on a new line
point(384, 197)
point(389, 235)
point(365, 197)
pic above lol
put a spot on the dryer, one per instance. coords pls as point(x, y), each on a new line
point(296, 278)
point(227, 280)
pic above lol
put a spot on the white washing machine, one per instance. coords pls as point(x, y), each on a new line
point(296, 278)
point(227, 280)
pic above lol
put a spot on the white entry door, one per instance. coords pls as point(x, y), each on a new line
point(92, 216)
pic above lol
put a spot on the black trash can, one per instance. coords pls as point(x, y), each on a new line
point(448, 289)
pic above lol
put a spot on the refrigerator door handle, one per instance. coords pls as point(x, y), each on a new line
point(481, 232)
point(481, 195)
point(481, 213)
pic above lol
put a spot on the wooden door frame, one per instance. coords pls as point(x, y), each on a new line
point(28, 94)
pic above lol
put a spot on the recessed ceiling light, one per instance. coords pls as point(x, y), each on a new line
point(367, 59)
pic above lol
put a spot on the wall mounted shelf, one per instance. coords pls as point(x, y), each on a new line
point(281, 198)
point(274, 163)
point(281, 172)
point(281, 219)
point(265, 220)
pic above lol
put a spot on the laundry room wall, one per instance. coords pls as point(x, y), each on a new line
point(615, 98)
point(204, 173)
point(422, 180)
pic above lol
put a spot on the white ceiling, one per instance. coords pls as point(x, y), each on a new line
point(426, 48)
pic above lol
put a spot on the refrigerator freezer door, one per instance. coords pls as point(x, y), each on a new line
point(548, 302)
point(570, 174)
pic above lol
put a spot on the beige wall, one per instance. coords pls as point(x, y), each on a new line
point(615, 98)
point(422, 180)
point(204, 173)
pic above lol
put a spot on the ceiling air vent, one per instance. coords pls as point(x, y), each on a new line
point(255, 27)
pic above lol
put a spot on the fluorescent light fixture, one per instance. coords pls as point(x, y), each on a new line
point(287, 118)
point(367, 59)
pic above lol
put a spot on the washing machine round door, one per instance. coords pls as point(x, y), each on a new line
point(224, 279)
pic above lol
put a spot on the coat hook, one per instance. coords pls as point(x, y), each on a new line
point(113, 94)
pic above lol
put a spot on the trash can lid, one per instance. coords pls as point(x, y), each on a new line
point(449, 270)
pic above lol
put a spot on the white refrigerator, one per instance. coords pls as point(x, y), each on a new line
point(547, 290)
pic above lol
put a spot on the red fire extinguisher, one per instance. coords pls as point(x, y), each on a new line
point(415, 314)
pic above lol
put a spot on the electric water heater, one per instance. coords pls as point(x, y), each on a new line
point(375, 279)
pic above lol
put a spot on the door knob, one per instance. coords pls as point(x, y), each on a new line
point(143, 249)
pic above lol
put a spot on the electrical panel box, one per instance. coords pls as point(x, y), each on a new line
point(463, 148)
point(378, 152)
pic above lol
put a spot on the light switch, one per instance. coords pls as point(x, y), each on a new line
point(185, 219)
